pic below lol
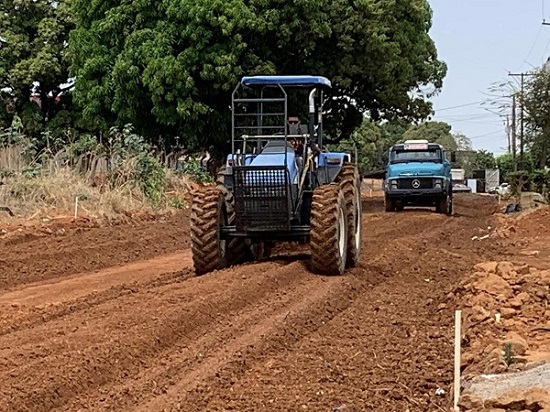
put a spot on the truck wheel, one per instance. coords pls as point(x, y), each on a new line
point(329, 229)
point(349, 181)
point(445, 205)
point(389, 204)
point(208, 214)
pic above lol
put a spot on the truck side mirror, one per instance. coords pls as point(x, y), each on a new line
point(453, 157)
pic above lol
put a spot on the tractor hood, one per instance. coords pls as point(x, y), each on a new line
point(415, 169)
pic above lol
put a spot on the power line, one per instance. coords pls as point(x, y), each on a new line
point(531, 50)
point(485, 135)
point(470, 117)
point(470, 104)
point(457, 107)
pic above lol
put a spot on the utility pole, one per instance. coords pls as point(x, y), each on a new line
point(508, 133)
point(514, 133)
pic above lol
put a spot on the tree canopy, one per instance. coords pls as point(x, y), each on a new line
point(536, 100)
point(33, 68)
point(434, 132)
point(170, 69)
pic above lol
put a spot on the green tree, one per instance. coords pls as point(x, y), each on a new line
point(367, 140)
point(373, 142)
point(484, 160)
point(505, 164)
point(536, 100)
point(33, 41)
point(434, 132)
point(170, 69)
point(463, 143)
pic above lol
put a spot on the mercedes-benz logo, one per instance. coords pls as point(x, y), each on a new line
point(416, 183)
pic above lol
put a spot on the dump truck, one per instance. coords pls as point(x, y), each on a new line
point(279, 184)
point(418, 174)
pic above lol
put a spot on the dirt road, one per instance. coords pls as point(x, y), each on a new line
point(113, 319)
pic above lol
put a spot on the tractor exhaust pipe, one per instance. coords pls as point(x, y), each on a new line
point(312, 101)
point(312, 114)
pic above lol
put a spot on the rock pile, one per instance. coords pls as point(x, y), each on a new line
point(503, 303)
point(506, 328)
point(532, 400)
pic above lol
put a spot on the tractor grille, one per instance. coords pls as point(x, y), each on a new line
point(423, 182)
point(262, 199)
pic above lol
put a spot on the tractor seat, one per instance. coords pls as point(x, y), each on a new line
point(273, 154)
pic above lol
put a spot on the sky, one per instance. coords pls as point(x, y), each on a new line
point(482, 41)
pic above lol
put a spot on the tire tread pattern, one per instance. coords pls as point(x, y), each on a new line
point(204, 229)
point(325, 256)
point(349, 181)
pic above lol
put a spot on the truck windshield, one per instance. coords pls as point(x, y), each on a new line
point(405, 156)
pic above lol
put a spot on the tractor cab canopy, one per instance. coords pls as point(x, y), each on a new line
point(287, 81)
point(277, 108)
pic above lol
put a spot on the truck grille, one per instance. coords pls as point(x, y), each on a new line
point(423, 183)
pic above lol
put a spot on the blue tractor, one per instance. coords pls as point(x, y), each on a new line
point(278, 183)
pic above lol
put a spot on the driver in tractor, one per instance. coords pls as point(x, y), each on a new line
point(295, 129)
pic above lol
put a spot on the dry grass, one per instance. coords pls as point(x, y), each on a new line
point(53, 193)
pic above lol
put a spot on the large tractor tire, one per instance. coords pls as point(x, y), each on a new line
point(329, 227)
point(349, 181)
point(208, 214)
point(238, 250)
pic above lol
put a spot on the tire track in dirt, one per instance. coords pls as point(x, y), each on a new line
point(33, 258)
point(118, 336)
point(264, 336)
point(45, 301)
point(390, 349)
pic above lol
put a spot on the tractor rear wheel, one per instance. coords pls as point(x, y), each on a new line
point(208, 214)
point(329, 227)
point(349, 181)
point(237, 246)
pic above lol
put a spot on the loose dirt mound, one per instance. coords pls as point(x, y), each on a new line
point(505, 303)
point(63, 247)
point(507, 318)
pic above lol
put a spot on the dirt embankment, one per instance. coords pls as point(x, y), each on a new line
point(507, 319)
point(113, 319)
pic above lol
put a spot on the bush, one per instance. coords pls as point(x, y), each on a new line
point(132, 163)
point(195, 171)
point(519, 182)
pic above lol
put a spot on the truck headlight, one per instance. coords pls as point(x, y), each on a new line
point(438, 183)
point(393, 183)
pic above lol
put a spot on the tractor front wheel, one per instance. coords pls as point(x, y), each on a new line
point(329, 230)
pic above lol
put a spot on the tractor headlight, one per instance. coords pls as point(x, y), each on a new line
point(438, 183)
point(393, 183)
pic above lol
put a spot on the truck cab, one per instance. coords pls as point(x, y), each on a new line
point(418, 174)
